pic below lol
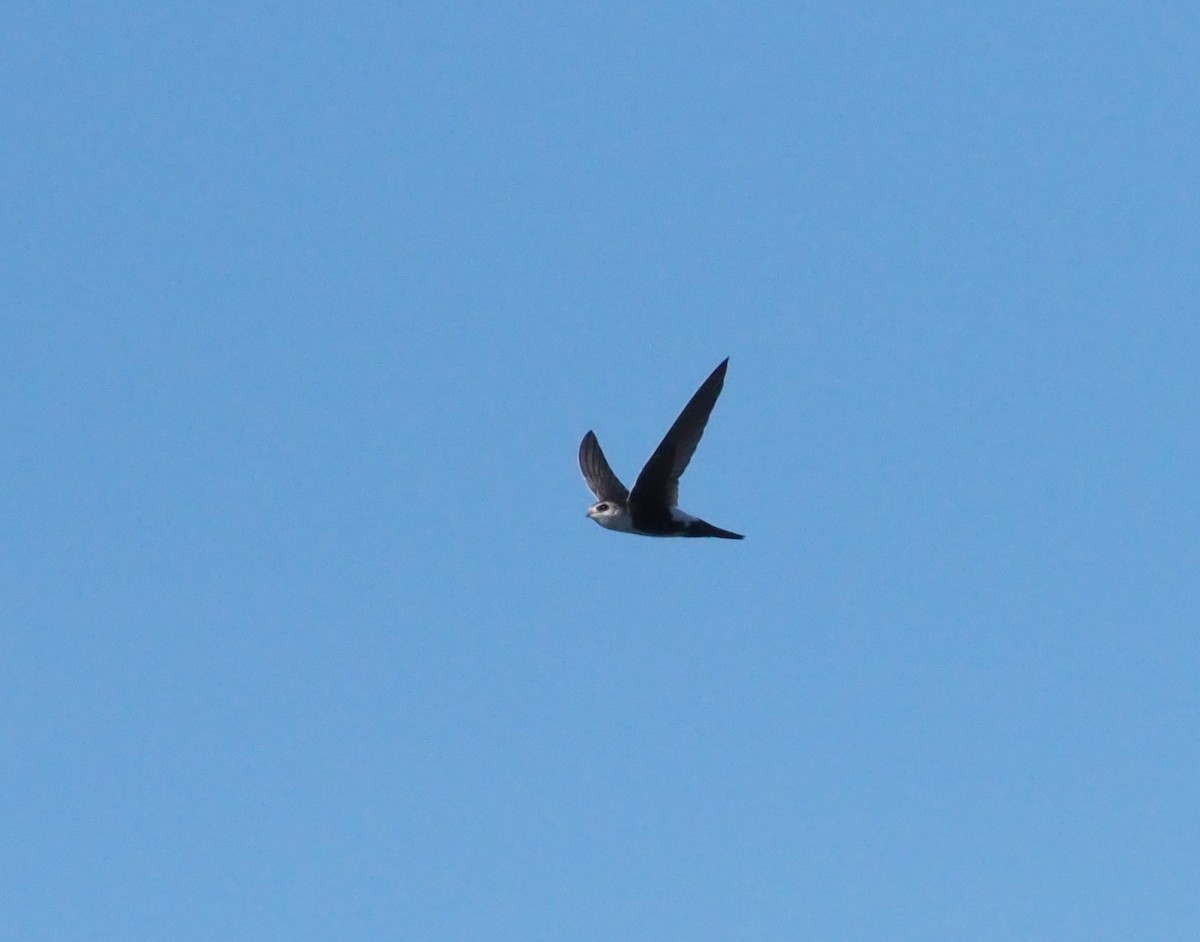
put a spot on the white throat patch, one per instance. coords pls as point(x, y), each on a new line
point(621, 521)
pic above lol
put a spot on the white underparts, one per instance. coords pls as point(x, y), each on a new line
point(680, 517)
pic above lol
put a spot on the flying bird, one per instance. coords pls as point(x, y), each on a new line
point(650, 509)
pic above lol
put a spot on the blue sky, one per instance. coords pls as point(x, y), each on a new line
point(305, 310)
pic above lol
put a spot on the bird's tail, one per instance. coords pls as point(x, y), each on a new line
point(702, 528)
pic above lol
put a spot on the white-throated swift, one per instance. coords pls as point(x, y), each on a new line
point(650, 508)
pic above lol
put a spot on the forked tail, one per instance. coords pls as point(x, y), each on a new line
point(702, 528)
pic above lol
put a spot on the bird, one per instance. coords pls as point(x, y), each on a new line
point(651, 508)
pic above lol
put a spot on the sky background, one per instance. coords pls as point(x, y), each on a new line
point(305, 308)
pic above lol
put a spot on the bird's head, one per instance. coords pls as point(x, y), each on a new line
point(610, 515)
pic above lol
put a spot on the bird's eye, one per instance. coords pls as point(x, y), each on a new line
point(602, 507)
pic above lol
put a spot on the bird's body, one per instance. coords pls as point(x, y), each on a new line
point(650, 509)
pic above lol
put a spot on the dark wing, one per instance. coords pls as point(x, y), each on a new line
point(658, 484)
point(599, 476)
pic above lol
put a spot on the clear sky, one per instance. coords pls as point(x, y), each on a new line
point(305, 309)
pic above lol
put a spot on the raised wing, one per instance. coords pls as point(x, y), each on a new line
point(658, 484)
point(599, 476)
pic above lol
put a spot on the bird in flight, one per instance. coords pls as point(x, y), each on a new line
point(650, 508)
